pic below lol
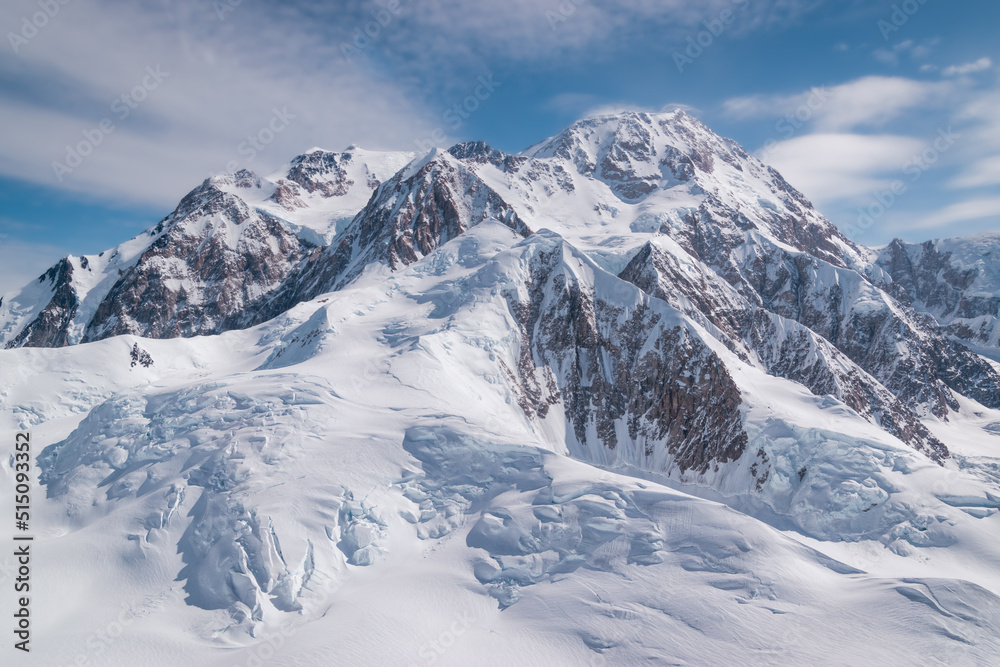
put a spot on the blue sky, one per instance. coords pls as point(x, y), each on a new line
point(884, 113)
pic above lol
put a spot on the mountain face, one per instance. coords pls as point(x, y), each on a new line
point(531, 387)
point(421, 208)
point(954, 280)
point(229, 242)
point(321, 191)
point(628, 373)
point(782, 345)
point(211, 258)
point(689, 217)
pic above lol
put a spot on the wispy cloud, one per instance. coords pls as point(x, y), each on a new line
point(871, 101)
point(224, 81)
point(831, 167)
point(968, 211)
point(527, 29)
point(980, 173)
point(980, 65)
point(571, 103)
point(910, 48)
point(980, 160)
point(839, 156)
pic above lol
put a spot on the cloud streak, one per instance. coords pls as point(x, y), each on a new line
point(980, 65)
point(851, 166)
point(871, 102)
point(968, 211)
point(222, 87)
point(828, 143)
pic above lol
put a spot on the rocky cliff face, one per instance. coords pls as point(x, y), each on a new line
point(421, 208)
point(782, 346)
point(51, 327)
point(335, 184)
point(229, 242)
point(903, 351)
point(214, 257)
point(955, 280)
point(632, 378)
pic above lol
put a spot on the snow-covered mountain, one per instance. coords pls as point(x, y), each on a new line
point(957, 281)
point(229, 242)
point(626, 396)
point(430, 202)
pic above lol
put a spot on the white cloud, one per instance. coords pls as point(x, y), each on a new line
point(981, 173)
point(871, 101)
point(980, 145)
point(842, 167)
point(923, 49)
point(980, 65)
point(222, 84)
point(528, 29)
point(981, 111)
point(891, 56)
point(825, 154)
point(977, 209)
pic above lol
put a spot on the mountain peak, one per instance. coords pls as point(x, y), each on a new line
point(327, 174)
point(639, 132)
point(477, 151)
point(241, 179)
